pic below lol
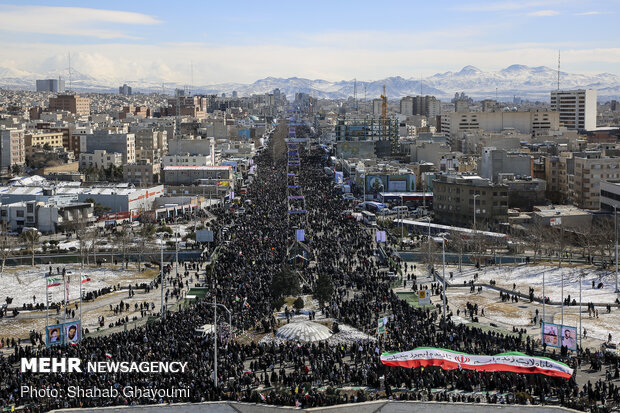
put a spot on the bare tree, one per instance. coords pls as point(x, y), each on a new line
point(122, 237)
point(31, 239)
point(147, 232)
point(459, 244)
point(589, 238)
point(6, 243)
point(607, 232)
point(536, 236)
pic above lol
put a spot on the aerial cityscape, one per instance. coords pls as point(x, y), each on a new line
point(248, 207)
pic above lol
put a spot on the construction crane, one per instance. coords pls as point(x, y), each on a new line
point(384, 112)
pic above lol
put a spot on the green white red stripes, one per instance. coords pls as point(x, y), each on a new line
point(53, 282)
point(514, 362)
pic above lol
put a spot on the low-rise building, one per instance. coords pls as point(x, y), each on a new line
point(100, 159)
point(47, 217)
point(454, 197)
point(142, 172)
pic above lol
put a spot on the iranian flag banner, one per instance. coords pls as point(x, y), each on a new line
point(53, 282)
point(514, 362)
point(85, 278)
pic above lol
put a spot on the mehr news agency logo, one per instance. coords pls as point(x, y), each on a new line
point(52, 365)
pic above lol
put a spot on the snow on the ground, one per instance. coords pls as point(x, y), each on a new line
point(525, 276)
point(23, 282)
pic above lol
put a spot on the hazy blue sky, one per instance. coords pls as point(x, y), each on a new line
point(241, 41)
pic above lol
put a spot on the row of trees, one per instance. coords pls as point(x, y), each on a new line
point(593, 242)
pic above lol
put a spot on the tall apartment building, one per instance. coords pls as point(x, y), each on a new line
point(151, 144)
point(577, 108)
point(194, 106)
point(453, 201)
point(376, 106)
point(427, 106)
point(12, 148)
point(70, 103)
point(124, 90)
point(51, 85)
point(591, 168)
point(534, 122)
point(124, 143)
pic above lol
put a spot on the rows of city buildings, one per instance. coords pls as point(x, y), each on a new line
point(502, 162)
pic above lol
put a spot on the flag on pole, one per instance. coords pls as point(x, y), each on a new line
point(53, 282)
point(108, 355)
point(85, 278)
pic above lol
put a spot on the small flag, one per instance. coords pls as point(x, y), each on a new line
point(53, 282)
point(262, 397)
point(108, 355)
point(85, 278)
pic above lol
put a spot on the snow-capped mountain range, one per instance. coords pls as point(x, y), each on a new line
point(516, 80)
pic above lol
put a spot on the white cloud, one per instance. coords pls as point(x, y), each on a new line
point(71, 21)
point(507, 5)
point(588, 13)
point(544, 13)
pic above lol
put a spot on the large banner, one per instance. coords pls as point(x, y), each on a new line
point(450, 360)
point(551, 334)
point(569, 337)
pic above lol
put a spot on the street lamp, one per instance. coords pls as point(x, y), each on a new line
point(616, 228)
point(475, 230)
point(428, 218)
point(215, 305)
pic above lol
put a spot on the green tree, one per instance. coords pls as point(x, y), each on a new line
point(324, 289)
point(98, 209)
point(285, 283)
point(298, 304)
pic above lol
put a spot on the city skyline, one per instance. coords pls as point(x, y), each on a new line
point(146, 40)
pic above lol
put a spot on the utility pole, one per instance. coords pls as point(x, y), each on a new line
point(162, 282)
point(616, 225)
point(215, 339)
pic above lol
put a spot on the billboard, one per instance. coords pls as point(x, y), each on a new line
point(66, 333)
point(376, 183)
point(550, 334)
point(424, 297)
point(569, 337)
point(204, 235)
point(381, 236)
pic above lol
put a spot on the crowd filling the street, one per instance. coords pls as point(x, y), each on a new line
point(250, 270)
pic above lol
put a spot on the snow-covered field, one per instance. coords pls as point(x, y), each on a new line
point(532, 276)
point(24, 282)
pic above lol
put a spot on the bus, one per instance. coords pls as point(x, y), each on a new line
point(369, 218)
point(375, 207)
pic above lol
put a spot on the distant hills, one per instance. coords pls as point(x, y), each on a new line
point(516, 80)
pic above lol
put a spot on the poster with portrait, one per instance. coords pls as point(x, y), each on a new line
point(54, 334)
point(72, 332)
point(550, 334)
point(569, 337)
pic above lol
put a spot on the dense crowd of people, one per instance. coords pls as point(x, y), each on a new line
point(254, 249)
